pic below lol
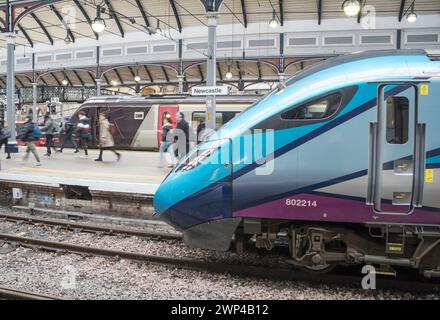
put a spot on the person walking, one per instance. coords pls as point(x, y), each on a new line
point(67, 133)
point(201, 128)
point(5, 134)
point(181, 129)
point(49, 130)
point(166, 144)
point(29, 133)
point(106, 141)
point(82, 131)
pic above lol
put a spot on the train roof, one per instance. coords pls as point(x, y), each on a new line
point(357, 56)
point(170, 99)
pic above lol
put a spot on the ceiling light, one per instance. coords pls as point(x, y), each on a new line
point(114, 83)
point(137, 78)
point(229, 73)
point(412, 16)
point(67, 40)
point(158, 29)
point(65, 82)
point(351, 7)
point(273, 22)
point(98, 24)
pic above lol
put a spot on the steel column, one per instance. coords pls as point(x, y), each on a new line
point(98, 86)
point(10, 89)
point(211, 69)
point(34, 101)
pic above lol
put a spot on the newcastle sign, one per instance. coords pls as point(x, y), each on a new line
point(210, 91)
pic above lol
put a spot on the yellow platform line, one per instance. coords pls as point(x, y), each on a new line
point(87, 174)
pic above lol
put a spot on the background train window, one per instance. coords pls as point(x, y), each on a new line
point(397, 120)
point(221, 118)
point(318, 109)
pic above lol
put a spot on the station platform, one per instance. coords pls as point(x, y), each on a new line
point(136, 172)
point(67, 181)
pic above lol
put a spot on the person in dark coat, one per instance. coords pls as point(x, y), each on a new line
point(27, 135)
point(166, 143)
point(181, 129)
point(200, 131)
point(49, 129)
point(67, 133)
point(82, 131)
point(5, 134)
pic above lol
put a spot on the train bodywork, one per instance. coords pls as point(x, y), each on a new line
point(138, 121)
point(344, 160)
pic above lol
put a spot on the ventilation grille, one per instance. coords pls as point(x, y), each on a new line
point(228, 44)
point(338, 40)
point(112, 52)
point(164, 48)
point(44, 58)
point(422, 38)
point(376, 39)
point(197, 45)
point(63, 56)
point(84, 55)
point(23, 60)
point(302, 42)
point(137, 50)
point(261, 43)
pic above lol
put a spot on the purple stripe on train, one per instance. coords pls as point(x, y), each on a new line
point(332, 209)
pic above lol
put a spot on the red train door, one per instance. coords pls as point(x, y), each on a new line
point(164, 112)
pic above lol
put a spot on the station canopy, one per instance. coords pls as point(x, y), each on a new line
point(49, 21)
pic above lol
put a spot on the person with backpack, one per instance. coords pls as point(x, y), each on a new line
point(5, 134)
point(83, 132)
point(29, 133)
point(166, 143)
point(49, 129)
point(106, 141)
point(67, 132)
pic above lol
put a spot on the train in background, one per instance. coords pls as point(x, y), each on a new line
point(347, 169)
point(138, 120)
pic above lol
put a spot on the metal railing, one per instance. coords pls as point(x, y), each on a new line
point(65, 94)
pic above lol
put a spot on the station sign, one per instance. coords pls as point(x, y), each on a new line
point(210, 91)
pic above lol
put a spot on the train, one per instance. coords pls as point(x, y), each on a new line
point(138, 120)
point(341, 164)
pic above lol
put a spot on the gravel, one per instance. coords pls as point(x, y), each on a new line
point(75, 276)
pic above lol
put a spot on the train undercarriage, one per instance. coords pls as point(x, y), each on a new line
point(319, 247)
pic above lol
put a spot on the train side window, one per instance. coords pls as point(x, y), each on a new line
point(397, 120)
point(321, 108)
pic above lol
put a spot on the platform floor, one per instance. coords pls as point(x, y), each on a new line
point(136, 172)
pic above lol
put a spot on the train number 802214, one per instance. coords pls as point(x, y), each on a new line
point(301, 203)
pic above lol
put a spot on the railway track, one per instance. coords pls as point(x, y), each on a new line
point(90, 227)
point(14, 294)
point(268, 272)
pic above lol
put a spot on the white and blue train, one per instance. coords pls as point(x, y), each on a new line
point(343, 161)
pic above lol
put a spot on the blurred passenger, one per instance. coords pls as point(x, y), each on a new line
point(83, 132)
point(49, 129)
point(5, 134)
point(200, 130)
point(29, 133)
point(166, 143)
point(181, 129)
point(67, 132)
point(106, 141)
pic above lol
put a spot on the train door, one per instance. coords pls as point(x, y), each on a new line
point(164, 112)
point(397, 156)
